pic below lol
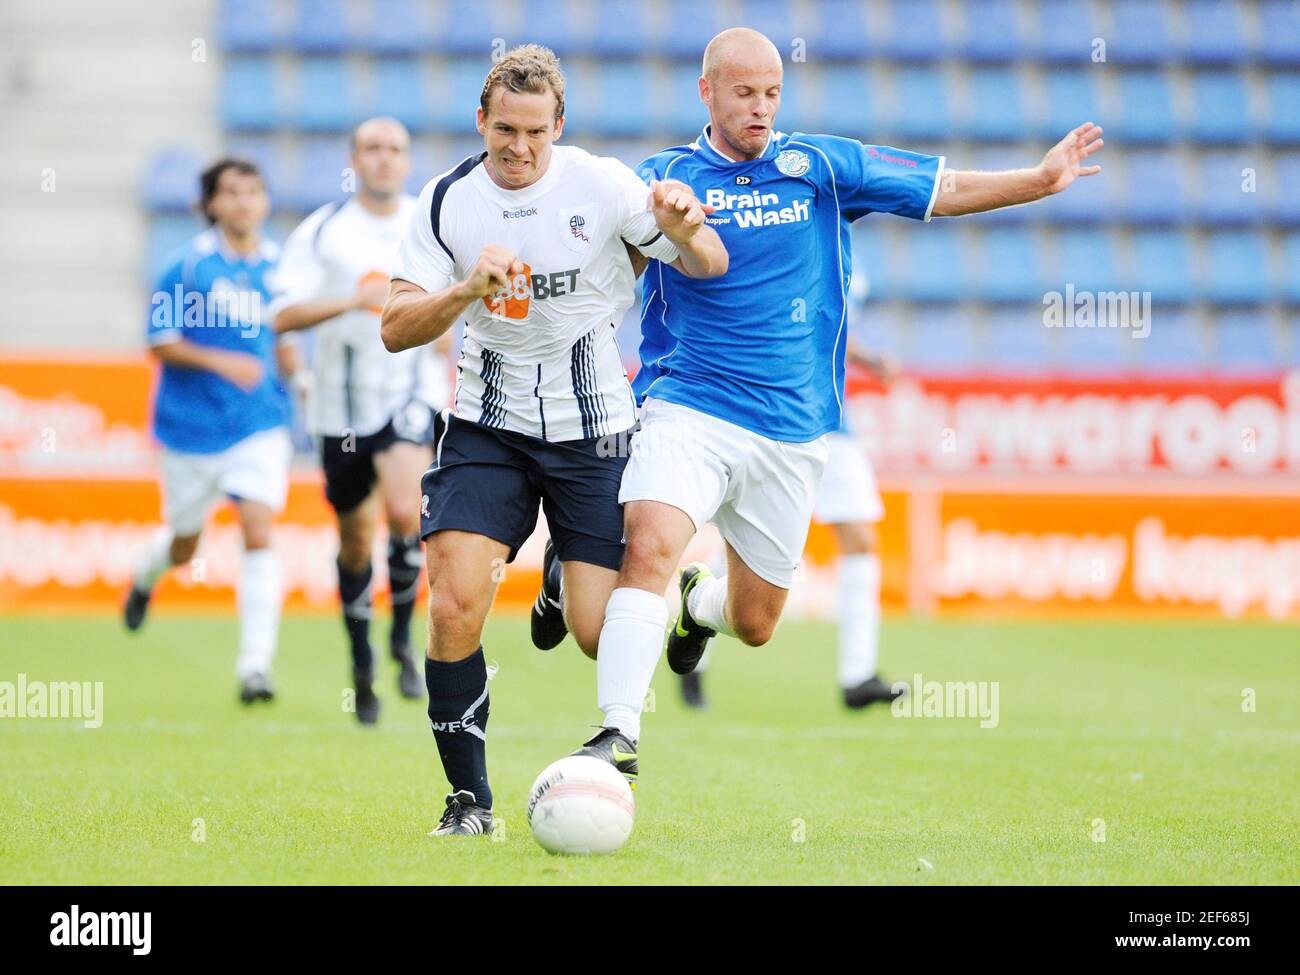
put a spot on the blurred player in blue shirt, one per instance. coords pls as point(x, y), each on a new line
point(743, 376)
point(221, 411)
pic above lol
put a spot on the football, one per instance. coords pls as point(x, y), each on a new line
point(580, 805)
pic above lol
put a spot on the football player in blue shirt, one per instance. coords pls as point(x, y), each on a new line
point(221, 412)
point(742, 376)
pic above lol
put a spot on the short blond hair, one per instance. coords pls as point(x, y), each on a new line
point(526, 68)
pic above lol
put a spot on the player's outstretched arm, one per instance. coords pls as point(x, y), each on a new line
point(309, 314)
point(681, 218)
point(414, 317)
point(241, 368)
point(966, 191)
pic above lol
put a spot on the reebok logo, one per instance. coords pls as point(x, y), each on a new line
point(519, 213)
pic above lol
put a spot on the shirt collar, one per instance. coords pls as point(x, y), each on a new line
point(231, 256)
point(709, 149)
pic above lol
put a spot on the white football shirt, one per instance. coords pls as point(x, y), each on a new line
point(360, 385)
point(539, 357)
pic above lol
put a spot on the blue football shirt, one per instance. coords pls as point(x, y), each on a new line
point(763, 346)
point(213, 297)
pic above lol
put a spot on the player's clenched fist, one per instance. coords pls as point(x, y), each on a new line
point(678, 213)
point(492, 271)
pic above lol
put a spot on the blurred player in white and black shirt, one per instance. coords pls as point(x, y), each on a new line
point(374, 412)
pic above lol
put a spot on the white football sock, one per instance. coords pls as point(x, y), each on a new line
point(708, 604)
point(859, 618)
point(154, 560)
point(259, 612)
point(630, 644)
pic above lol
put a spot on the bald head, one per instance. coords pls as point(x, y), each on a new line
point(741, 85)
point(381, 158)
point(381, 127)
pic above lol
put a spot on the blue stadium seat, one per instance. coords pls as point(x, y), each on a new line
point(995, 107)
point(1010, 265)
point(1283, 123)
point(321, 27)
point(171, 180)
point(937, 265)
point(458, 94)
point(1175, 344)
point(398, 27)
point(1097, 349)
point(248, 27)
point(1279, 32)
point(1090, 200)
point(469, 28)
point(920, 104)
point(1222, 199)
point(552, 23)
point(677, 110)
point(321, 163)
point(1066, 29)
point(1154, 190)
point(1162, 265)
point(403, 91)
point(1086, 259)
point(620, 29)
point(874, 277)
point(776, 19)
point(1071, 98)
point(168, 233)
point(1220, 109)
point(1284, 207)
point(915, 31)
point(845, 105)
point(1236, 269)
point(1017, 340)
point(263, 150)
point(992, 31)
point(1146, 108)
point(840, 31)
point(1213, 32)
point(1139, 34)
point(250, 98)
point(880, 333)
point(942, 339)
point(620, 108)
point(684, 28)
point(328, 95)
point(1289, 281)
point(1246, 342)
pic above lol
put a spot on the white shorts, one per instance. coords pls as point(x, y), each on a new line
point(848, 493)
point(254, 469)
point(758, 491)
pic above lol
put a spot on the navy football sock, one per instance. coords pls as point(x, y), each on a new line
point(354, 592)
point(458, 713)
point(404, 562)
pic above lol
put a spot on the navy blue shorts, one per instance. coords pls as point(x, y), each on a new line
point(490, 482)
point(349, 462)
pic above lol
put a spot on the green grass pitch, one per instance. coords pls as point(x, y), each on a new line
point(1137, 725)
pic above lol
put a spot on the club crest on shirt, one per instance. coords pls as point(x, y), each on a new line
point(792, 162)
point(577, 227)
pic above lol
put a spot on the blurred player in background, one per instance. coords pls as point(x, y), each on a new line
point(374, 412)
point(221, 411)
point(526, 242)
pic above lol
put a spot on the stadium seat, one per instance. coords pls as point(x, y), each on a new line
point(321, 163)
point(1070, 97)
point(942, 339)
point(1096, 349)
point(249, 95)
point(1066, 29)
point(915, 31)
point(1153, 190)
point(1146, 108)
point(1279, 32)
point(1085, 257)
point(937, 265)
point(920, 104)
point(469, 28)
point(1245, 342)
point(328, 95)
point(1223, 197)
point(776, 19)
point(684, 29)
point(1139, 33)
point(1016, 339)
point(678, 112)
point(1289, 274)
point(402, 90)
point(398, 27)
point(248, 27)
point(1284, 107)
point(878, 331)
point(845, 105)
point(1091, 199)
point(994, 107)
point(1161, 264)
point(840, 31)
point(1220, 108)
point(168, 233)
point(619, 110)
point(1284, 207)
point(992, 30)
point(874, 278)
point(552, 24)
point(458, 95)
point(1213, 32)
point(1175, 344)
point(171, 180)
point(620, 29)
point(270, 158)
point(1009, 265)
point(322, 27)
point(1236, 268)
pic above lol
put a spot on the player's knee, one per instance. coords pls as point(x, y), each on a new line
point(648, 560)
point(183, 549)
point(753, 627)
point(857, 538)
point(403, 517)
point(586, 634)
point(355, 549)
point(452, 617)
point(256, 536)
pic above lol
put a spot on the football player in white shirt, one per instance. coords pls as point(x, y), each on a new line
point(527, 243)
point(374, 412)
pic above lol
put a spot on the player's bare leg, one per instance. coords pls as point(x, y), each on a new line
point(260, 600)
point(587, 589)
point(355, 572)
point(165, 551)
point(464, 569)
point(399, 469)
